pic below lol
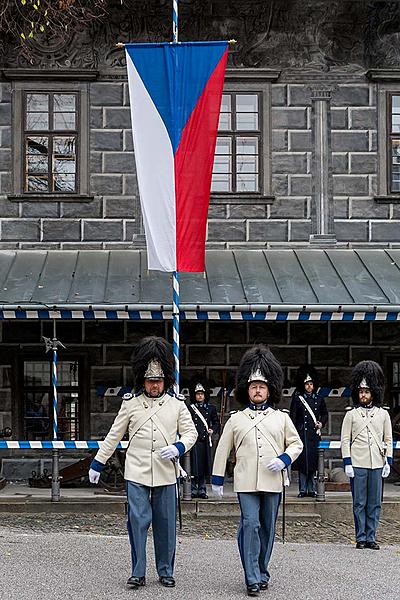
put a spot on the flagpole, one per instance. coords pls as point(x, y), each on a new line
point(175, 297)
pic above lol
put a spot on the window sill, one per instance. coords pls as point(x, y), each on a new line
point(387, 199)
point(51, 198)
point(241, 199)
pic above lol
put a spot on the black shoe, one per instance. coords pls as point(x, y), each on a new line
point(360, 545)
point(203, 496)
point(194, 495)
point(372, 546)
point(264, 585)
point(253, 590)
point(135, 582)
point(312, 494)
point(167, 581)
point(301, 495)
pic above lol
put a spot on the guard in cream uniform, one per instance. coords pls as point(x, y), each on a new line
point(265, 442)
point(153, 417)
point(367, 450)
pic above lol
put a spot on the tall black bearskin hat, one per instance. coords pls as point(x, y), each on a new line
point(260, 360)
point(194, 383)
point(305, 372)
point(368, 374)
point(149, 349)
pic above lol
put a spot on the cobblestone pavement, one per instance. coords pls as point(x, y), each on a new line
point(115, 525)
point(54, 565)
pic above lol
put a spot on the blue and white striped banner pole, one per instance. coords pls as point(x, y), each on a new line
point(55, 399)
point(175, 20)
point(175, 326)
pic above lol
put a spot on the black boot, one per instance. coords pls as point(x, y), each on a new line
point(253, 590)
point(135, 582)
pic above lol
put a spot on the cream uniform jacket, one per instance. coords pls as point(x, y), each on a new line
point(257, 436)
point(152, 423)
point(366, 437)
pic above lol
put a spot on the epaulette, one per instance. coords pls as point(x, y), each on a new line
point(348, 408)
point(233, 412)
point(127, 396)
point(284, 410)
point(180, 397)
point(386, 407)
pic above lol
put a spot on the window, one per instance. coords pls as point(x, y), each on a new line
point(394, 143)
point(50, 142)
point(38, 400)
point(238, 148)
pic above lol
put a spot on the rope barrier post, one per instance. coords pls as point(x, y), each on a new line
point(53, 344)
point(321, 476)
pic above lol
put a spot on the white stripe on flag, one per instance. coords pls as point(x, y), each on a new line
point(155, 172)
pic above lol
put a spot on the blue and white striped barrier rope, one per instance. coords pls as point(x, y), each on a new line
point(198, 315)
point(95, 444)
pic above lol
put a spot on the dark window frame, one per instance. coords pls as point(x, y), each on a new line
point(233, 134)
point(390, 137)
point(83, 390)
point(50, 134)
point(20, 89)
point(249, 81)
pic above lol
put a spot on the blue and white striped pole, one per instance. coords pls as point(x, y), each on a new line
point(55, 399)
point(175, 296)
point(175, 20)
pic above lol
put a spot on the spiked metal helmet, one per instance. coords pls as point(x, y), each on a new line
point(306, 373)
point(153, 359)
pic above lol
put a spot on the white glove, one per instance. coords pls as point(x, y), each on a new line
point(169, 452)
point(349, 471)
point(217, 490)
point(386, 470)
point(94, 476)
point(276, 464)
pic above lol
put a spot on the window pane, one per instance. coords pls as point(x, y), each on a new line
point(37, 373)
point(66, 165)
point(37, 184)
point(221, 183)
point(246, 121)
point(64, 183)
point(247, 103)
point(225, 122)
point(37, 145)
point(37, 102)
point(222, 164)
point(38, 120)
point(246, 164)
point(225, 117)
point(64, 121)
point(64, 103)
point(246, 183)
point(68, 373)
point(224, 145)
point(68, 416)
point(38, 164)
point(64, 146)
point(36, 415)
point(246, 145)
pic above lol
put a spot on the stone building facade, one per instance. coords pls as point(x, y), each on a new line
point(286, 52)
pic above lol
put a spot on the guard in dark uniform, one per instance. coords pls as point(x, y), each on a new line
point(309, 414)
point(206, 421)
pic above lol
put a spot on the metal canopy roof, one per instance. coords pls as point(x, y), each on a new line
point(237, 280)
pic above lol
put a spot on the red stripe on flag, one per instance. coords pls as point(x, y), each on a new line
point(194, 160)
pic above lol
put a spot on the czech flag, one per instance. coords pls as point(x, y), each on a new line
point(175, 96)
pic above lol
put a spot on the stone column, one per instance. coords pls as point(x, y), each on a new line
point(321, 168)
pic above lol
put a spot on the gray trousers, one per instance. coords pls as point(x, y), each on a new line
point(259, 511)
point(307, 483)
point(366, 488)
point(155, 506)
